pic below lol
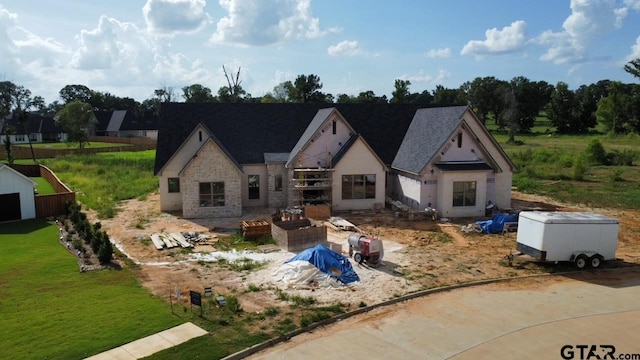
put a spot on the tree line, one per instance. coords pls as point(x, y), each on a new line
point(513, 105)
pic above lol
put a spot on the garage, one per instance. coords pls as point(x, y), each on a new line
point(16, 195)
point(10, 209)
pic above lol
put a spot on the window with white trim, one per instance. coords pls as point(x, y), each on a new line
point(464, 193)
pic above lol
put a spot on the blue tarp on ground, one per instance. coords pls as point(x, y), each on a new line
point(325, 260)
point(496, 224)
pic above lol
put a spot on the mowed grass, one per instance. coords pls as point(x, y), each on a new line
point(43, 187)
point(52, 311)
point(102, 180)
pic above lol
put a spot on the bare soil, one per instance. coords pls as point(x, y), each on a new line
point(418, 254)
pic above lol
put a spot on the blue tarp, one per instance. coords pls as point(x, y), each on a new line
point(326, 259)
point(496, 224)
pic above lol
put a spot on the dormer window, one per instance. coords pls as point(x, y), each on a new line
point(200, 135)
point(460, 140)
point(334, 127)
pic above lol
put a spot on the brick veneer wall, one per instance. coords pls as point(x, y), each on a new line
point(211, 165)
point(277, 199)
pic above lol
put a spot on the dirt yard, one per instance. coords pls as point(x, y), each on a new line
point(418, 254)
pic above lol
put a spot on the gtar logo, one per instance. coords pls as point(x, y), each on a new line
point(585, 352)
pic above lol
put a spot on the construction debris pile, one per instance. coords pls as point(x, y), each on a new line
point(185, 239)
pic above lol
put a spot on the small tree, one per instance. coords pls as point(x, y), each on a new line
point(105, 252)
point(595, 152)
point(76, 118)
point(579, 168)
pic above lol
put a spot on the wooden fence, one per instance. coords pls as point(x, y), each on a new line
point(133, 144)
point(52, 204)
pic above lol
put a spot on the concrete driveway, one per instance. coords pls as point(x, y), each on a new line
point(576, 316)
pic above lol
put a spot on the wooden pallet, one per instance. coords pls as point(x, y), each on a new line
point(252, 229)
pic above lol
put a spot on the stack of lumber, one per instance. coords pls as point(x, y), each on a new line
point(253, 229)
point(180, 240)
point(161, 241)
point(159, 244)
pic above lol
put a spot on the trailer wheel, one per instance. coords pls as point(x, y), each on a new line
point(581, 261)
point(595, 261)
point(358, 257)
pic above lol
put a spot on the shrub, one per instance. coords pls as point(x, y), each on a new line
point(595, 152)
point(105, 252)
point(579, 168)
point(621, 158)
point(616, 175)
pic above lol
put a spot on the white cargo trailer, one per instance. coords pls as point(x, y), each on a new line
point(586, 239)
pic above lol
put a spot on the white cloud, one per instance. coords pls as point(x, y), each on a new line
point(8, 48)
point(175, 16)
point(422, 77)
point(633, 4)
point(635, 51)
point(111, 44)
point(589, 20)
point(510, 39)
point(348, 48)
point(439, 53)
point(263, 22)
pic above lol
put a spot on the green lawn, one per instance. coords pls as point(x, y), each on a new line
point(43, 187)
point(102, 180)
point(52, 311)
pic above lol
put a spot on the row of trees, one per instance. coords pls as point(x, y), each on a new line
point(513, 105)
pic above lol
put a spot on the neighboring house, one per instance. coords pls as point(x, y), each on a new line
point(39, 129)
point(216, 159)
point(16, 195)
point(123, 123)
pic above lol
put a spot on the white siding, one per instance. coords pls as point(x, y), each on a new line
point(359, 160)
point(503, 176)
point(409, 190)
point(13, 182)
point(325, 144)
point(445, 193)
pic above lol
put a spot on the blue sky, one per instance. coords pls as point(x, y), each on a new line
point(129, 48)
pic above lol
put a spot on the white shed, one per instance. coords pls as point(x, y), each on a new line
point(16, 195)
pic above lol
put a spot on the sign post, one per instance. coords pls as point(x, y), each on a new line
point(196, 299)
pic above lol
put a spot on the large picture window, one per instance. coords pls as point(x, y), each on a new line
point(174, 185)
point(358, 187)
point(254, 187)
point(211, 194)
point(464, 193)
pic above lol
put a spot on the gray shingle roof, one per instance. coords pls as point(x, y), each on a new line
point(249, 131)
point(117, 116)
point(428, 131)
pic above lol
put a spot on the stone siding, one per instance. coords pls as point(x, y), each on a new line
point(277, 199)
point(211, 165)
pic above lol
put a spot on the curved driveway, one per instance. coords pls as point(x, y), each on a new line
point(521, 319)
